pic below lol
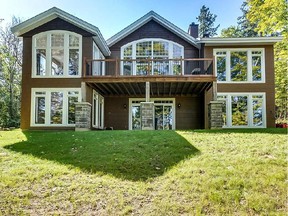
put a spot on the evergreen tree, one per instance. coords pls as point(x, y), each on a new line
point(206, 23)
point(247, 28)
point(244, 27)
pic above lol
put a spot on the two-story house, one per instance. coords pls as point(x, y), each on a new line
point(150, 75)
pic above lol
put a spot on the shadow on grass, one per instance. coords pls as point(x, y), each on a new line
point(245, 130)
point(131, 155)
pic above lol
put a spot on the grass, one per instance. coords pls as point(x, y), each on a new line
point(230, 172)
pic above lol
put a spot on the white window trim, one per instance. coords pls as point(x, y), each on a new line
point(249, 64)
point(249, 108)
point(95, 110)
point(152, 100)
point(48, 54)
point(48, 106)
point(133, 43)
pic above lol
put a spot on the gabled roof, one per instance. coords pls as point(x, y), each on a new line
point(240, 41)
point(54, 13)
point(145, 19)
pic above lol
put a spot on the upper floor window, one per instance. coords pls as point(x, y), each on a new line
point(240, 65)
point(137, 57)
point(56, 54)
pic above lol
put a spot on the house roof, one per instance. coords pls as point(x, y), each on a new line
point(54, 13)
point(145, 19)
point(220, 41)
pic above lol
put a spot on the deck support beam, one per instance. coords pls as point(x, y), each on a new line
point(83, 91)
point(214, 91)
point(147, 92)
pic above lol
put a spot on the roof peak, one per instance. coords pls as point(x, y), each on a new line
point(53, 13)
point(145, 19)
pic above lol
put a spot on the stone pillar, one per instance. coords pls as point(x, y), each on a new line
point(82, 116)
point(147, 115)
point(215, 114)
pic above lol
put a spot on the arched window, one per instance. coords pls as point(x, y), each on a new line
point(151, 56)
point(56, 54)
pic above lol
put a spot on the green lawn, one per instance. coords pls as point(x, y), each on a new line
point(230, 172)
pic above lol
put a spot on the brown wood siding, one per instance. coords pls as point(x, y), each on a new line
point(28, 82)
point(153, 29)
point(268, 87)
point(191, 113)
point(114, 113)
point(87, 49)
point(189, 116)
point(57, 24)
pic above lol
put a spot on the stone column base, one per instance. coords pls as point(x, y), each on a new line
point(82, 116)
point(147, 116)
point(215, 114)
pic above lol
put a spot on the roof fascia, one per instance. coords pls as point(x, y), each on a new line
point(53, 13)
point(145, 19)
point(240, 41)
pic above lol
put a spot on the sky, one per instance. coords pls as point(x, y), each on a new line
point(111, 16)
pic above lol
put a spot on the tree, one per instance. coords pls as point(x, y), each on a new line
point(272, 18)
point(268, 17)
point(206, 23)
point(10, 76)
point(244, 27)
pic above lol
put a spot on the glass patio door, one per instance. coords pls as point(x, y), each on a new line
point(163, 117)
point(164, 113)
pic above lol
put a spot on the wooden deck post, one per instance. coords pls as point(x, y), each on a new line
point(147, 91)
point(181, 67)
point(117, 67)
point(83, 91)
point(84, 67)
point(214, 91)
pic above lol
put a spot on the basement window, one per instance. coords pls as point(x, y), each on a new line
point(54, 107)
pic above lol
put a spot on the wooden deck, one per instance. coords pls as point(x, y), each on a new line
point(167, 77)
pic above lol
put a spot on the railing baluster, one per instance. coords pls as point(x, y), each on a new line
point(117, 67)
point(164, 67)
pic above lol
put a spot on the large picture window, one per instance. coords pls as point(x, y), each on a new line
point(57, 54)
point(240, 65)
point(243, 109)
point(54, 107)
point(144, 51)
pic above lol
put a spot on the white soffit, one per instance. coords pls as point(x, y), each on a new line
point(217, 41)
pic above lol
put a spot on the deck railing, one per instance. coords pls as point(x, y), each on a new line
point(148, 67)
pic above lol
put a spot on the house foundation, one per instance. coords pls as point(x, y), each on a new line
point(147, 116)
point(82, 116)
point(215, 114)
